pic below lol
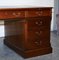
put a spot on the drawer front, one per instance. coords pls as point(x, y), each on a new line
point(37, 44)
point(38, 22)
point(37, 40)
point(11, 14)
point(39, 12)
point(38, 34)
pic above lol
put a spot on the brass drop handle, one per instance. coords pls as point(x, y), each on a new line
point(16, 14)
point(38, 43)
point(38, 23)
point(38, 33)
point(39, 13)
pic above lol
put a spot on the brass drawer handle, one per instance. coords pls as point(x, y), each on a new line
point(39, 23)
point(16, 14)
point(38, 33)
point(39, 13)
point(38, 43)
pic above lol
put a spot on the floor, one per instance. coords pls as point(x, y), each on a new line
point(8, 54)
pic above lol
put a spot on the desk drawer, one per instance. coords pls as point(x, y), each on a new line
point(38, 34)
point(11, 14)
point(15, 14)
point(39, 12)
point(38, 22)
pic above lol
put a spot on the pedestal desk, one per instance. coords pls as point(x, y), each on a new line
point(27, 30)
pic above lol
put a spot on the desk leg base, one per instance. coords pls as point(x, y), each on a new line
point(29, 53)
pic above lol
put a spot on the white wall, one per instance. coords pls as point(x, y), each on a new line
point(24, 3)
point(2, 31)
point(54, 24)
